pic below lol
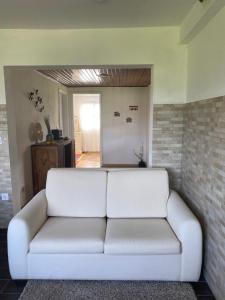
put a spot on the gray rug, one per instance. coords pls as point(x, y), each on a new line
point(106, 290)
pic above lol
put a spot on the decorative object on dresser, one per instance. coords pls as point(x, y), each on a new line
point(36, 132)
point(49, 136)
point(58, 154)
point(57, 134)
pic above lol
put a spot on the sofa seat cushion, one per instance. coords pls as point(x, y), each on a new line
point(70, 235)
point(140, 236)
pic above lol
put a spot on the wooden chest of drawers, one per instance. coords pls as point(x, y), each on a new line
point(59, 154)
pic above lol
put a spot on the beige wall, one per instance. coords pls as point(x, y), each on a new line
point(158, 46)
point(120, 139)
point(206, 61)
point(21, 113)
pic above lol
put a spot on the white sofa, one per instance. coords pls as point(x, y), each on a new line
point(105, 224)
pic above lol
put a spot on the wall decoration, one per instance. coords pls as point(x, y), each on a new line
point(36, 100)
point(129, 120)
point(116, 114)
point(133, 107)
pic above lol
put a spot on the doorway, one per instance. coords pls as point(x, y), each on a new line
point(87, 130)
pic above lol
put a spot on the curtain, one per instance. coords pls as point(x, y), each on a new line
point(90, 126)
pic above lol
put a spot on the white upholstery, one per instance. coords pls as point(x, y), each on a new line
point(137, 193)
point(21, 231)
point(188, 231)
point(76, 193)
point(140, 236)
point(103, 267)
point(70, 235)
point(76, 243)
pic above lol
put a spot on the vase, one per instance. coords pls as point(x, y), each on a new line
point(142, 164)
point(49, 137)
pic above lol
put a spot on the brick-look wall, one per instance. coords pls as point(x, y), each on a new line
point(167, 140)
point(5, 177)
point(203, 181)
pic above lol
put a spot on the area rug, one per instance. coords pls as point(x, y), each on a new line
point(106, 290)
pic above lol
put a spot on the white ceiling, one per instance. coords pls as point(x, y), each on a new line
point(64, 14)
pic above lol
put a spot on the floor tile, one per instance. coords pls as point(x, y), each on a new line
point(206, 298)
point(3, 249)
point(3, 283)
point(9, 296)
point(4, 262)
point(3, 234)
point(4, 274)
point(89, 160)
point(14, 286)
point(201, 289)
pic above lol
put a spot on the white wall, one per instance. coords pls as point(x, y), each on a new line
point(158, 46)
point(206, 61)
point(120, 139)
point(21, 113)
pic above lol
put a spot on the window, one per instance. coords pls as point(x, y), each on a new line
point(90, 116)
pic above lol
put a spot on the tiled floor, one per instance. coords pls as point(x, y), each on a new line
point(89, 160)
point(11, 289)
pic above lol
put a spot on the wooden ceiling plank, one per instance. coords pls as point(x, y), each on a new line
point(76, 77)
point(56, 76)
point(94, 76)
point(90, 77)
point(66, 74)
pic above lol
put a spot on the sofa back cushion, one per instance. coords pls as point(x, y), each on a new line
point(140, 193)
point(76, 193)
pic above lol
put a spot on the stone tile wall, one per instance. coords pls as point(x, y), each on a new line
point(167, 140)
point(189, 140)
point(5, 177)
point(203, 182)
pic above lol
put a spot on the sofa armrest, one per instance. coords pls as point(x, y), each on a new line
point(188, 231)
point(21, 231)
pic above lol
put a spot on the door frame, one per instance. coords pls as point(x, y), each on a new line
point(64, 117)
point(100, 107)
